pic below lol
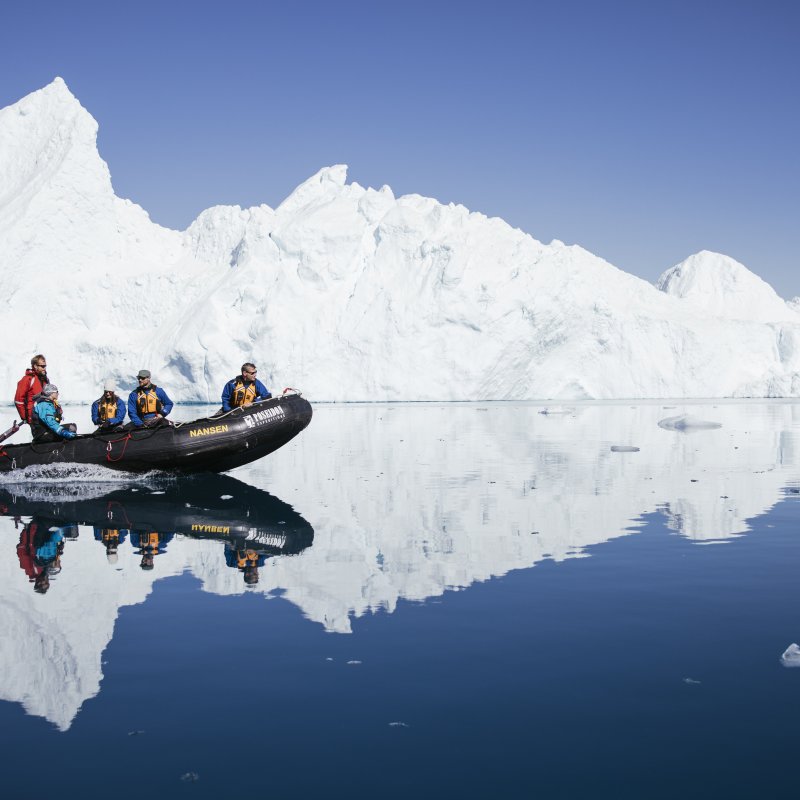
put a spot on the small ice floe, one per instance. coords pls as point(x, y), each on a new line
point(190, 777)
point(791, 656)
point(624, 448)
point(399, 725)
point(686, 422)
point(691, 681)
point(226, 497)
point(135, 733)
point(353, 662)
point(329, 659)
point(554, 410)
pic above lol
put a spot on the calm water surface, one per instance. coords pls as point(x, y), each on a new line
point(416, 600)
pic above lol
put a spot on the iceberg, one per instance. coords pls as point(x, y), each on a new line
point(350, 293)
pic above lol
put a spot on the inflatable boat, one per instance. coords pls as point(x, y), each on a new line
point(199, 507)
point(211, 444)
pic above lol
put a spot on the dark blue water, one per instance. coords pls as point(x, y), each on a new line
point(486, 666)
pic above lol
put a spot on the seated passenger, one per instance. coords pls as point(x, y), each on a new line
point(244, 389)
point(108, 411)
point(148, 405)
point(46, 419)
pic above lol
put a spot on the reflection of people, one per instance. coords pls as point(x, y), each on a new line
point(149, 545)
point(245, 559)
point(46, 418)
point(244, 389)
point(31, 384)
point(39, 552)
point(112, 539)
point(108, 411)
point(148, 405)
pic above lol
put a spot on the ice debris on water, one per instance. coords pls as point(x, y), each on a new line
point(135, 733)
point(353, 662)
point(552, 410)
point(190, 777)
point(399, 725)
point(226, 497)
point(691, 681)
point(686, 422)
point(791, 656)
point(624, 448)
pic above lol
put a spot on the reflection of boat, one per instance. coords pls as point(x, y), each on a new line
point(201, 507)
point(211, 444)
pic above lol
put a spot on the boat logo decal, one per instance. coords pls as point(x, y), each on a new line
point(211, 528)
point(260, 417)
point(208, 431)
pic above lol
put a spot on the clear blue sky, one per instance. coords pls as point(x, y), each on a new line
point(643, 131)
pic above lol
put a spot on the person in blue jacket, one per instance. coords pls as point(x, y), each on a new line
point(150, 544)
point(244, 389)
point(148, 405)
point(46, 419)
point(108, 411)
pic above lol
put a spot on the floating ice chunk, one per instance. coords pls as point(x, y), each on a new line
point(399, 725)
point(791, 656)
point(190, 777)
point(226, 497)
point(135, 733)
point(686, 422)
point(624, 448)
point(353, 662)
point(691, 681)
point(553, 410)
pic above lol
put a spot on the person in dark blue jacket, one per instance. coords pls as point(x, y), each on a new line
point(46, 419)
point(108, 411)
point(239, 556)
point(150, 544)
point(244, 389)
point(148, 405)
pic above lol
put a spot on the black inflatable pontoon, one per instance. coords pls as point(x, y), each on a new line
point(200, 507)
point(211, 444)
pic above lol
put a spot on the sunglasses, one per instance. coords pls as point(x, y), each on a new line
point(251, 372)
point(43, 366)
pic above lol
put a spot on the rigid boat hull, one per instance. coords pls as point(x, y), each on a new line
point(211, 444)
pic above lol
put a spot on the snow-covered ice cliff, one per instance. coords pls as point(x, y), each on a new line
point(349, 293)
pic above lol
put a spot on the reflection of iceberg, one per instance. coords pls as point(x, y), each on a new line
point(52, 644)
point(405, 502)
point(435, 497)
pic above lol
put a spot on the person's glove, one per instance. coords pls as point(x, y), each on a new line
point(69, 434)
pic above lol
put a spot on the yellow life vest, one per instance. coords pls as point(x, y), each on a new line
point(243, 394)
point(107, 409)
point(147, 401)
point(109, 535)
point(150, 541)
point(246, 558)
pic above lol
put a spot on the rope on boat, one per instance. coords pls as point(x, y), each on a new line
point(125, 439)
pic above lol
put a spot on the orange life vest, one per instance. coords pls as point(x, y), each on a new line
point(147, 401)
point(243, 394)
point(246, 558)
point(107, 409)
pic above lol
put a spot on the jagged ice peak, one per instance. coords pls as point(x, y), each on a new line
point(350, 293)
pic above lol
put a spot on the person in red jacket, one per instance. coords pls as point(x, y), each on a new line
point(31, 384)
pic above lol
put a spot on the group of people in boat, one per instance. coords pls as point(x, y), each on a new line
point(148, 405)
point(41, 545)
